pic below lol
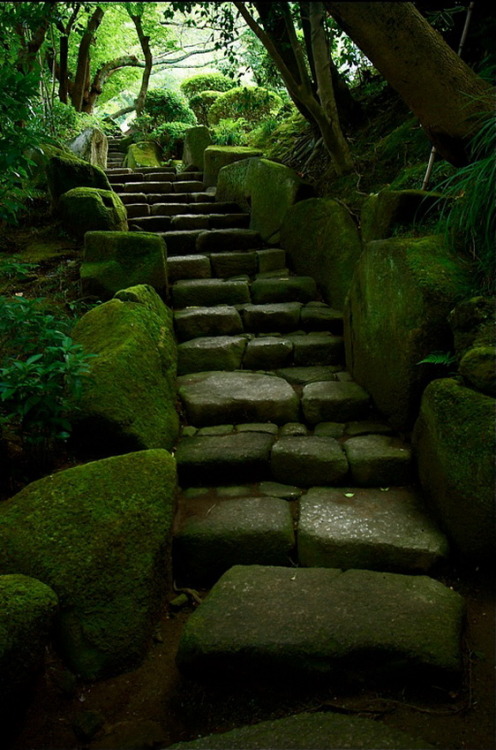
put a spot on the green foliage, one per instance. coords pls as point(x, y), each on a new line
point(446, 359)
point(286, 134)
point(470, 217)
point(195, 85)
point(201, 103)
point(170, 138)
point(229, 132)
point(64, 123)
point(253, 103)
point(17, 270)
point(40, 372)
point(165, 105)
point(263, 135)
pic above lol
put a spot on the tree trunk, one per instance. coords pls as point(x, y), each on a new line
point(438, 87)
point(145, 46)
point(103, 74)
point(63, 69)
point(80, 79)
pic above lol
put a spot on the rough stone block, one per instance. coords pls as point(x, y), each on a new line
point(227, 240)
point(196, 140)
point(334, 402)
point(308, 461)
point(211, 353)
point(293, 289)
point(267, 353)
point(216, 157)
point(271, 318)
point(209, 292)
point(233, 264)
point(188, 267)
point(379, 461)
point(317, 349)
point(211, 321)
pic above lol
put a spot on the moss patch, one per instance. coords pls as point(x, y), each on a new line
point(216, 157)
point(143, 154)
point(65, 172)
point(86, 209)
point(98, 535)
point(388, 209)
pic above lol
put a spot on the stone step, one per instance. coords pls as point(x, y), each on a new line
point(125, 178)
point(231, 352)
point(154, 170)
point(137, 210)
point(174, 209)
point(209, 292)
point(268, 621)
point(195, 292)
point(187, 186)
point(227, 240)
point(182, 242)
point(151, 223)
point(188, 267)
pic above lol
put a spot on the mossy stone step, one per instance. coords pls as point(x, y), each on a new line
point(187, 186)
point(144, 187)
point(230, 220)
point(225, 240)
point(181, 242)
point(237, 397)
point(379, 460)
point(317, 316)
point(212, 535)
point(294, 289)
point(219, 459)
point(309, 460)
point(310, 731)
point(281, 317)
point(281, 622)
point(268, 353)
point(152, 223)
point(317, 348)
point(223, 320)
point(136, 210)
point(211, 353)
point(375, 529)
point(225, 265)
point(188, 267)
point(209, 292)
point(127, 198)
point(125, 178)
point(334, 402)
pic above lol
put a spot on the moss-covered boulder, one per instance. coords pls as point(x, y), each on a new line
point(66, 171)
point(216, 157)
point(116, 260)
point(86, 209)
point(322, 240)
point(455, 444)
point(99, 536)
point(196, 140)
point(27, 611)
point(396, 315)
point(92, 146)
point(264, 188)
point(143, 154)
point(473, 322)
point(128, 399)
point(478, 367)
point(383, 211)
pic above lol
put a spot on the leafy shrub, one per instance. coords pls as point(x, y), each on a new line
point(230, 132)
point(201, 103)
point(12, 268)
point(64, 123)
point(253, 103)
point(262, 135)
point(41, 372)
point(170, 137)
point(165, 105)
point(195, 85)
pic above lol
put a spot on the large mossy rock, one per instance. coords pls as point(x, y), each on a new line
point(99, 536)
point(216, 157)
point(27, 611)
point(128, 399)
point(322, 240)
point(92, 146)
point(455, 444)
point(86, 209)
point(396, 315)
point(116, 260)
point(65, 172)
point(383, 211)
point(264, 188)
point(196, 140)
point(143, 154)
point(473, 322)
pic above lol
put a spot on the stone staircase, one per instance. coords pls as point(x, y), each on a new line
point(115, 156)
point(285, 470)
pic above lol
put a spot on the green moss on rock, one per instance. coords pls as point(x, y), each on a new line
point(216, 157)
point(478, 367)
point(455, 443)
point(396, 315)
point(321, 239)
point(86, 209)
point(99, 536)
point(65, 172)
point(143, 154)
point(128, 400)
point(116, 260)
point(390, 208)
point(196, 140)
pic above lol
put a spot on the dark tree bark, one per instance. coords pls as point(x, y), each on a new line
point(63, 70)
point(81, 80)
point(145, 46)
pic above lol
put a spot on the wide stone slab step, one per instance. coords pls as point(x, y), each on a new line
point(209, 292)
point(287, 622)
point(237, 397)
point(376, 529)
point(310, 731)
point(211, 353)
point(334, 402)
point(188, 267)
point(225, 240)
point(223, 320)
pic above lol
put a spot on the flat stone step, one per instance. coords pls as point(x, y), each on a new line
point(379, 460)
point(118, 170)
point(152, 223)
point(145, 187)
point(309, 460)
point(153, 170)
point(310, 731)
point(237, 397)
point(229, 221)
point(209, 292)
point(187, 186)
point(305, 375)
point(181, 242)
point(202, 197)
point(316, 348)
point(126, 177)
point(317, 316)
point(222, 240)
point(191, 221)
point(234, 263)
point(213, 534)
point(334, 402)
point(211, 353)
point(161, 198)
point(137, 210)
point(271, 318)
point(288, 622)
point(367, 528)
point(133, 198)
point(294, 289)
point(188, 267)
point(222, 320)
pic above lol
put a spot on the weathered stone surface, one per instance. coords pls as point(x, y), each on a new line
point(294, 289)
point(334, 402)
point(267, 353)
point(270, 318)
point(305, 375)
point(478, 367)
point(396, 314)
point(188, 267)
point(218, 459)
point(128, 400)
point(211, 398)
point(329, 429)
point(216, 157)
point(226, 240)
point(27, 611)
point(276, 489)
point(211, 321)
point(317, 316)
point(233, 264)
point(316, 620)
point(211, 353)
point(98, 535)
point(117, 260)
point(271, 259)
point(454, 441)
point(209, 292)
point(317, 349)
point(314, 731)
point(367, 427)
point(367, 528)
point(379, 461)
point(65, 172)
point(321, 238)
point(473, 322)
point(85, 209)
point(389, 208)
point(144, 154)
point(212, 537)
point(196, 140)
point(267, 427)
point(181, 242)
point(92, 146)
point(308, 461)
point(294, 429)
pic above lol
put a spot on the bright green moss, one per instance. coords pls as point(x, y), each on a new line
point(65, 172)
point(143, 154)
point(86, 209)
